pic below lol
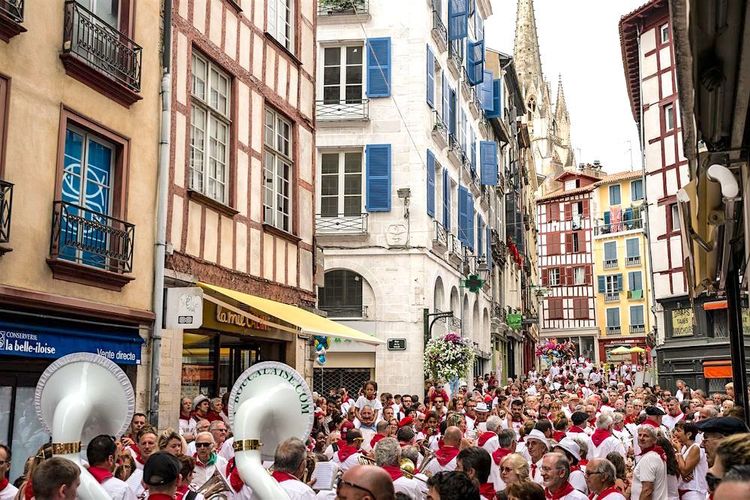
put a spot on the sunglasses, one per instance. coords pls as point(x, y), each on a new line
point(202, 445)
point(340, 481)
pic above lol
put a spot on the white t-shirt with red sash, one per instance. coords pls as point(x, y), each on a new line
point(293, 487)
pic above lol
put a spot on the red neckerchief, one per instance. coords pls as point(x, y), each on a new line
point(185, 416)
point(604, 493)
point(235, 481)
point(28, 491)
point(283, 476)
point(213, 416)
point(599, 436)
point(487, 490)
point(99, 474)
point(445, 454)
point(629, 419)
point(499, 454)
point(160, 496)
point(558, 435)
point(3, 483)
point(575, 467)
point(566, 489)
point(138, 456)
point(652, 423)
point(657, 449)
point(533, 470)
point(181, 490)
point(575, 429)
point(393, 471)
point(484, 437)
point(345, 451)
point(583, 462)
point(678, 417)
point(375, 439)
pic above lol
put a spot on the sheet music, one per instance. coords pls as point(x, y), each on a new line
point(324, 474)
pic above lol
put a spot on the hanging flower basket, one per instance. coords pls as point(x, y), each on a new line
point(552, 351)
point(448, 357)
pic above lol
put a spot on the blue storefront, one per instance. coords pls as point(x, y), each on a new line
point(29, 342)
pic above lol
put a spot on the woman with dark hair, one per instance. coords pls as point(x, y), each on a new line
point(691, 460)
point(525, 490)
point(621, 474)
point(673, 469)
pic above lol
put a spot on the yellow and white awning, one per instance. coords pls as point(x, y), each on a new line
point(306, 321)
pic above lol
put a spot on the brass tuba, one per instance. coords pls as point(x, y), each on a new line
point(216, 488)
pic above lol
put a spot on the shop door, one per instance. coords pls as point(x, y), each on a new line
point(234, 360)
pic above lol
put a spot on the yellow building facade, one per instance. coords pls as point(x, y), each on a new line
point(623, 295)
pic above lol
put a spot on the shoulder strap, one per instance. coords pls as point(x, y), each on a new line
point(191, 495)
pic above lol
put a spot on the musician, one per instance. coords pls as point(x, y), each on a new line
point(7, 490)
point(600, 478)
point(388, 456)
point(161, 474)
point(556, 473)
point(289, 467)
point(445, 456)
point(349, 450)
point(362, 480)
point(476, 463)
point(207, 461)
point(101, 455)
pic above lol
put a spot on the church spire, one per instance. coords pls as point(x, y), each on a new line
point(526, 56)
point(561, 107)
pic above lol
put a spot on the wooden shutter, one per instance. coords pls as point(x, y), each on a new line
point(587, 275)
point(545, 277)
point(568, 211)
point(378, 67)
point(569, 276)
point(581, 308)
point(430, 184)
point(555, 211)
point(568, 243)
point(585, 208)
point(430, 78)
point(378, 165)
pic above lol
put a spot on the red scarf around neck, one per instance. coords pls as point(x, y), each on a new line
point(283, 476)
point(499, 454)
point(599, 436)
point(375, 439)
point(181, 490)
point(100, 474)
point(652, 423)
point(345, 451)
point(564, 490)
point(185, 416)
point(558, 435)
point(657, 449)
point(3, 483)
point(575, 429)
point(235, 481)
point(604, 493)
point(446, 454)
point(484, 437)
point(487, 490)
point(629, 419)
point(393, 471)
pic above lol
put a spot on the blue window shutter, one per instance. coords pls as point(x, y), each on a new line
point(488, 162)
point(606, 218)
point(458, 19)
point(619, 282)
point(472, 151)
point(445, 112)
point(485, 91)
point(475, 62)
point(470, 216)
point(497, 89)
point(452, 116)
point(378, 165)
point(378, 67)
point(478, 26)
point(446, 200)
point(472, 7)
point(430, 184)
point(601, 284)
point(462, 215)
point(430, 78)
point(480, 236)
point(488, 242)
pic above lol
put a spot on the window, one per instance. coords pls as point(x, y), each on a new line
point(581, 308)
point(614, 194)
point(579, 276)
point(281, 22)
point(341, 295)
point(675, 214)
point(610, 253)
point(341, 184)
point(277, 171)
point(668, 117)
point(612, 284)
point(571, 184)
point(636, 190)
point(209, 130)
point(342, 74)
point(636, 316)
point(577, 245)
point(613, 318)
point(664, 33)
point(635, 282)
point(553, 212)
point(106, 10)
point(555, 308)
point(553, 244)
point(554, 276)
point(633, 251)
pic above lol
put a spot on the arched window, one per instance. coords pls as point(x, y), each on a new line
point(341, 297)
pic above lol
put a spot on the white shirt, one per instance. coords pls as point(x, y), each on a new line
point(407, 486)
point(650, 468)
point(698, 483)
point(134, 482)
point(204, 473)
point(611, 496)
point(297, 490)
point(434, 467)
point(609, 445)
point(226, 451)
point(117, 489)
point(350, 461)
point(573, 495)
point(578, 480)
point(9, 492)
point(187, 426)
point(536, 476)
point(669, 421)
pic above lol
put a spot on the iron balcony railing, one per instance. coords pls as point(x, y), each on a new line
point(613, 330)
point(349, 311)
point(438, 28)
point(343, 7)
point(358, 109)
point(12, 9)
point(101, 46)
point(341, 224)
point(637, 328)
point(441, 235)
point(456, 51)
point(618, 227)
point(610, 264)
point(91, 238)
point(633, 261)
point(6, 204)
point(455, 248)
point(611, 296)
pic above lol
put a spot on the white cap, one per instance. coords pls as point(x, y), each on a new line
point(570, 446)
point(539, 436)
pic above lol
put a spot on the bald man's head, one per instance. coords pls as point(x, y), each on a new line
point(366, 481)
point(452, 436)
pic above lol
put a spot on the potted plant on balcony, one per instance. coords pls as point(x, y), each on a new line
point(332, 7)
point(447, 358)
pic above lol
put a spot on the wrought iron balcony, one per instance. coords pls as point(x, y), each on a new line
point(11, 17)
point(100, 55)
point(90, 238)
point(611, 296)
point(610, 264)
point(343, 7)
point(341, 224)
point(633, 261)
point(439, 130)
point(637, 328)
point(6, 204)
point(455, 249)
point(618, 227)
point(439, 31)
point(440, 236)
point(345, 311)
point(350, 109)
point(613, 330)
point(455, 57)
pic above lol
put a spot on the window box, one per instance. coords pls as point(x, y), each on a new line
point(11, 17)
point(6, 204)
point(635, 294)
point(100, 56)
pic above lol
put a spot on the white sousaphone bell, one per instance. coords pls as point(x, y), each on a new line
point(79, 397)
point(269, 403)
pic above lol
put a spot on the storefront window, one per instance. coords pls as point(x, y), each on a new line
point(6, 394)
point(197, 365)
point(28, 434)
point(587, 347)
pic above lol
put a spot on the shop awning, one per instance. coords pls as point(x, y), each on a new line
point(42, 341)
point(717, 369)
point(306, 321)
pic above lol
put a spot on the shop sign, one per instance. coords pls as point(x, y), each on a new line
point(682, 322)
point(396, 344)
point(232, 318)
point(515, 321)
point(184, 308)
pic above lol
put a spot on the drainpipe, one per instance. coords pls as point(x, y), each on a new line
point(162, 193)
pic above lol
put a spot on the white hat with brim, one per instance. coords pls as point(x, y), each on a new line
point(570, 446)
point(539, 436)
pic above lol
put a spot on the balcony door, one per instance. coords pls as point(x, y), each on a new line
point(342, 75)
point(86, 195)
point(106, 10)
point(341, 186)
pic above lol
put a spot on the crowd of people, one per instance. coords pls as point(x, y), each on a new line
point(571, 431)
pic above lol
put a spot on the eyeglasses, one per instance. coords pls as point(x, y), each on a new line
point(221, 430)
point(587, 473)
point(340, 481)
point(202, 445)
